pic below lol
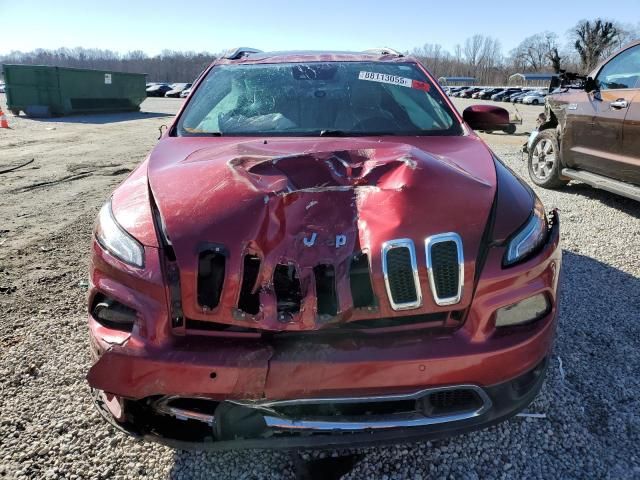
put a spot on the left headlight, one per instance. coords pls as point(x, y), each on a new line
point(529, 238)
point(113, 238)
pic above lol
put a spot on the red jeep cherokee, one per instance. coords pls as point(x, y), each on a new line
point(320, 252)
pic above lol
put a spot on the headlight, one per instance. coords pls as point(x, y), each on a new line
point(113, 238)
point(531, 236)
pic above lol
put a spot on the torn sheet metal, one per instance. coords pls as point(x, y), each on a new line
point(309, 202)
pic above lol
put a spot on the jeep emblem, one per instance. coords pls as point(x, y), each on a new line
point(340, 240)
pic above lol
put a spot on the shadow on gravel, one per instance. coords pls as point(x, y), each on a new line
point(626, 205)
point(102, 118)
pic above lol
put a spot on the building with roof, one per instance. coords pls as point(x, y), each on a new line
point(531, 79)
point(456, 81)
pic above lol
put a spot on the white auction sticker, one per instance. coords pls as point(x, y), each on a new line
point(107, 79)
point(393, 80)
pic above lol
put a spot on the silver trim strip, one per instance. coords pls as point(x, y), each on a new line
point(410, 419)
point(428, 245)
point(402, 243)
point(162, 406)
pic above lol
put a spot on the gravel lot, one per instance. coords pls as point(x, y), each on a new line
point(49, 429)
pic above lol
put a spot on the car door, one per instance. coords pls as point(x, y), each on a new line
point(630, 171)
point(597, 129)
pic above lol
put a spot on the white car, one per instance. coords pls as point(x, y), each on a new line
point(185, 93)
point(534, 98)
point(1, 87)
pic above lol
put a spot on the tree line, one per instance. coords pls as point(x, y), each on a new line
point(168, 66)
point(479, 56)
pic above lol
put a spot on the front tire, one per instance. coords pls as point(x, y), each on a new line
point(544, 161)
point(510, 129)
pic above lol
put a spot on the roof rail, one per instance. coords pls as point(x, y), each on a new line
point(236, 53)
point(384, 51)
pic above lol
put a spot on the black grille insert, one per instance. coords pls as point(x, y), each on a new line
point(391, 322)
point(402, 286)
point(446, 273)
point(360, 281)
point(211, 270)
point(249, 300)
point(451, 401)
point(286, 284)
point(326, 289)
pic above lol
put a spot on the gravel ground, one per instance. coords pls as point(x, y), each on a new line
point(48, 428)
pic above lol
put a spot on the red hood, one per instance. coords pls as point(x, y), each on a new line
point(265, 197)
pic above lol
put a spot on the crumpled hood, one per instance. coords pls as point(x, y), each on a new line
point(309, 202)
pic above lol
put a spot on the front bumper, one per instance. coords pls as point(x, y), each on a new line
point(505, 400)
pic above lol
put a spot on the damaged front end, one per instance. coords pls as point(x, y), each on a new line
point(319, 292)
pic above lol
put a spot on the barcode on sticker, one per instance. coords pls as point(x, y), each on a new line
point(393, 80)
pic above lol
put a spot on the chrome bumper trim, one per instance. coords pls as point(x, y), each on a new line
point(273, 419)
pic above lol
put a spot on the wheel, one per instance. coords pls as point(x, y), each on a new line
point(535, 101)
point(544, 160)
point(510, 129)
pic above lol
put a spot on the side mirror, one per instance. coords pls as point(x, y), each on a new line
point(486, 117)
point(590, 85)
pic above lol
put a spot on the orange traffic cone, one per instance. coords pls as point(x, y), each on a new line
point(3, 120)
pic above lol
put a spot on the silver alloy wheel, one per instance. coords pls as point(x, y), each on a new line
point(543, 159)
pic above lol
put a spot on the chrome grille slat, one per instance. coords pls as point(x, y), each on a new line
point(400, 271)
point(445, 266)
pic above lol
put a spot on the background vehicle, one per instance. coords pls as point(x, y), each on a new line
point(185, 93)
point(486, 94)
point(177, 89)
point(516, 97)
point(1, 87)
point(469, 91)
point(592, 134)
point(534, 98)
point(504, 93)
point(456, 91)
point(158, 90)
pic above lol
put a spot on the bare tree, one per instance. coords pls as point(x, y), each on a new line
point(592, 40)
point(537, 52)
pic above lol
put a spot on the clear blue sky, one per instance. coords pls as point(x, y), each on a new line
point(279, 25)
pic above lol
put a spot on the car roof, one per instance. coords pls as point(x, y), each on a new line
point(301, 56)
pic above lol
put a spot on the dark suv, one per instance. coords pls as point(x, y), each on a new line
point(592, 134)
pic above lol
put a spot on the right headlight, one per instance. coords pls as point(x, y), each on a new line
point(529, 238)
point(113, 238)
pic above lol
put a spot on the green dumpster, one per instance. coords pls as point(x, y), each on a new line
point(39, 90)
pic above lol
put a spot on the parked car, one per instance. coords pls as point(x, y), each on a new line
point(516, 97)
point(291, 268)
point(185, 93)
point(486, 94)
point(534, 98)
point(1, 87)
point(455, 91)
point(158, 90)
point(476, 94)
point(505, 93)
point(468, 92)
point(599, 125)
point(177, 89)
